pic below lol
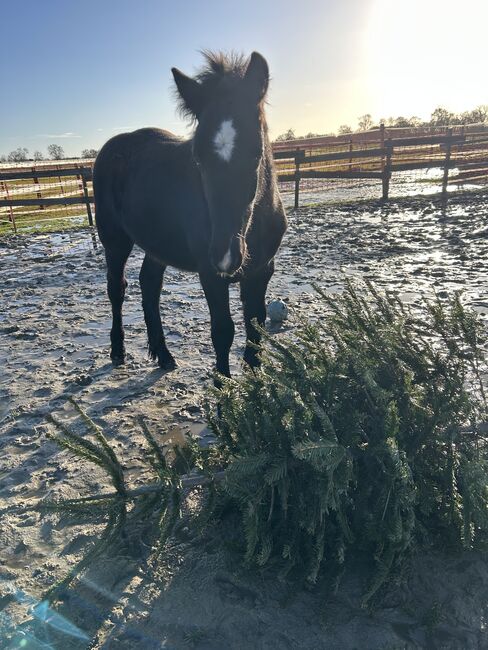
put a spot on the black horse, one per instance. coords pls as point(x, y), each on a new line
point(209, 204)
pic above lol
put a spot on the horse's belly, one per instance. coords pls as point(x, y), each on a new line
point(165, 243)
point(179, 258)
point(165, 216)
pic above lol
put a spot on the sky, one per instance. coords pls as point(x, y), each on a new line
point(75, 73)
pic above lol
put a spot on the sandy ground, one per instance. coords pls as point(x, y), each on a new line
point(54, 326)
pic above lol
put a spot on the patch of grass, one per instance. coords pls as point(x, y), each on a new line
point(50, 223)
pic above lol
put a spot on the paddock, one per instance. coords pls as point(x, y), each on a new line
point(54, 327)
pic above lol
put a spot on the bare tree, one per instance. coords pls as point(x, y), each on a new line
point(405, 121)
point(442, 117)
point(89, 153)
point(415, 121)
point(3, 158)
point(288, 135)
point(478, 115)
point(365, 122)
point(38, 155)
point(55, 151)
point(18, 155)
point(344, 129)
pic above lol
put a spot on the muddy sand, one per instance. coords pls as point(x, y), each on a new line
point(54, 326)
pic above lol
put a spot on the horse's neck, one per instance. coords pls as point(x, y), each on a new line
point(187, 147)
point(269, 175)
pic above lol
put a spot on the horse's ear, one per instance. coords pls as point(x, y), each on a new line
point(190, 91)
point(257, 76)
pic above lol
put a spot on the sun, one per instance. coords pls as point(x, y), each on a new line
point(420, 54)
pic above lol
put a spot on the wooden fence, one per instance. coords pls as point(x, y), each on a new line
point(13, 184)
point(371, 155)
point(383, 152)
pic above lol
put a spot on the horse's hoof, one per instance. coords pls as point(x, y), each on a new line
point(168, 363)
point(251, 359)
point(117, 361)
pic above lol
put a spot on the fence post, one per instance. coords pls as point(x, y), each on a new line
point(10, 209)
point(350, 151)
point(39, 194)
point(297, 177)
point(87, 200)
point(382, 145)
point(387, 169)
point(447, 163)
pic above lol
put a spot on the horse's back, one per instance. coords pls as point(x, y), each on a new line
point(124, 144)
point(110, 171)
point(116, 154)
point(147, 191)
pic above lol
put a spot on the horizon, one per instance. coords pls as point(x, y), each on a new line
point(85, 73)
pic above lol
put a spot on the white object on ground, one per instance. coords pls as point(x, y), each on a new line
point(277, 311)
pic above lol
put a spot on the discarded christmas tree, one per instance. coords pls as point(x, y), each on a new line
point(362, 434)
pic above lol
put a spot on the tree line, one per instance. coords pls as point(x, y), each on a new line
point(54, 152)
point(439, 117)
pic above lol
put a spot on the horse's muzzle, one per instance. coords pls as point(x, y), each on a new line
point(228, 259)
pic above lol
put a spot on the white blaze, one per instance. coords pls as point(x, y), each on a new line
point(225, 262)
point(224, 140)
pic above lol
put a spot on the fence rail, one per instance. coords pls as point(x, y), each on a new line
point(371, 155)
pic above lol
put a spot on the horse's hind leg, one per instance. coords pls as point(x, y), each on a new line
point(151, 279)
point(116, 256)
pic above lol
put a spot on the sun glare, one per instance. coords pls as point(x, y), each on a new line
point(420, 54)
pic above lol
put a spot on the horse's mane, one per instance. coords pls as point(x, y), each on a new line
point(220, 65)
point(219, 74)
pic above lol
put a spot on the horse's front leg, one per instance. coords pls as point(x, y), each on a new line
point(216, 290)
point(253, 296)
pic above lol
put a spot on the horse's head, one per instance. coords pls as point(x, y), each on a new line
point(226, 101)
